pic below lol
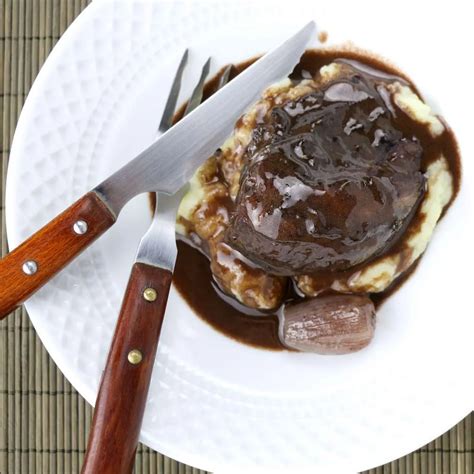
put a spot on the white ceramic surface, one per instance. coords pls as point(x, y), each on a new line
point(215, 403)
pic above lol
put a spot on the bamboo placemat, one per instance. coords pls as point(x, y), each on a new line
point(44, 421)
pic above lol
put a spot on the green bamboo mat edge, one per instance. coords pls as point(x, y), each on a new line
point(43, 421)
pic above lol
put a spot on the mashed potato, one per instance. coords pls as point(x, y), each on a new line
point(201, 211)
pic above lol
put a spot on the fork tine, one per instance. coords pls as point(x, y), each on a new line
point(224, 79)
point(196, 96)
point(167, 117)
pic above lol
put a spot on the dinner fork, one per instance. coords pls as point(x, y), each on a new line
point(125, 381)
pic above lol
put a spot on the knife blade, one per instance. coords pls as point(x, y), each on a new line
point(205, 129)
point(163, 167)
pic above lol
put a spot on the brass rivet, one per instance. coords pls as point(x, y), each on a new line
point(150, 294)
point(135, 357)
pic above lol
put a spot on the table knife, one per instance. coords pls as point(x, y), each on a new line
point(163, 167)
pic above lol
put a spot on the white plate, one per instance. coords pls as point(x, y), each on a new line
point(215, 403)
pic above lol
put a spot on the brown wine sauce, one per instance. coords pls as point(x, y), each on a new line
point(193, 277)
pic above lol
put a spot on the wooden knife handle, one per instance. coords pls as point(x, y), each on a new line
point(27, 268)
point(123, 391)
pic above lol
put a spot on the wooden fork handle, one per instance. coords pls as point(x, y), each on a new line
point(123, 391)
point(27, 268)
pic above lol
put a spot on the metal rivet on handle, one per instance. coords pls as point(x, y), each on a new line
point(135, 357)
point(80, 227)
point(150, 294)
point(30, 267)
